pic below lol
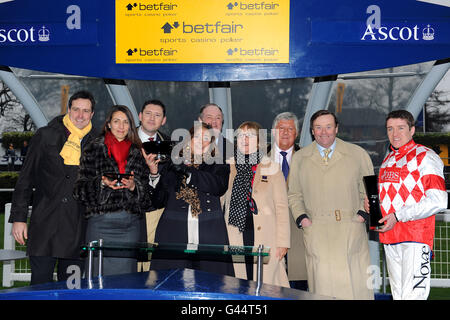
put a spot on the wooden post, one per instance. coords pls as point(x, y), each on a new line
point(64, 98)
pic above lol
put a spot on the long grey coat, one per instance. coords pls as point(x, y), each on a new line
point(337, 253)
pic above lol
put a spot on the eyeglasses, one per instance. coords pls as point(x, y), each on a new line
point(247, 135)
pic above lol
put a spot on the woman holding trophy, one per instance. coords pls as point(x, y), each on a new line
point(113, 184)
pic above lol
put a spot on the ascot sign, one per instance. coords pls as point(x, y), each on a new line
point(374, 31)
point(30, 34)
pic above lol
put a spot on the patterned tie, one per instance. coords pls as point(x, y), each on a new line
point(284, 165)
point(326, 152)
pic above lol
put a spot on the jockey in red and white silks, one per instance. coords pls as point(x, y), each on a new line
point(411, 185)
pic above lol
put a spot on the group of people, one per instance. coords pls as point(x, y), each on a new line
point(307, 205)
point(10, 155)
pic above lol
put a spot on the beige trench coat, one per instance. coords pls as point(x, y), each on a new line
point(271, 223)
point(337, 252)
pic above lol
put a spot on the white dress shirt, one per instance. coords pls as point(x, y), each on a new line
point(279, 158)
point(144, 137)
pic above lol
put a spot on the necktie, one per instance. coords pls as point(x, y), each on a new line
point(326, 152)
point(284, 165)
point(151, 139)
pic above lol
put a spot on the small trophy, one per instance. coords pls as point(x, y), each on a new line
point(371, 185)
point(117, 176)
point(163, 149)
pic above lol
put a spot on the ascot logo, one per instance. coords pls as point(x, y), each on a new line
point(375, 31)
point(398, 33)
point(24, 35)
point(428, 33)
point(44, 34)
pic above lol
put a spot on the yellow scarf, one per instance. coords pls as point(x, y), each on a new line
point(71, 151)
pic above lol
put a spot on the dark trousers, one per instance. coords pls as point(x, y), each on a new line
point(299, 285)
point(248, 237)
point(42, 268)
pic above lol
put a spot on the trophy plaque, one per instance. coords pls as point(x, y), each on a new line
point(371, 185)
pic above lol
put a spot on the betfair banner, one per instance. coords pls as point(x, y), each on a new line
point(199, 31)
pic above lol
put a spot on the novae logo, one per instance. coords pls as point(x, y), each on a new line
point(375, 31)
point(424, 270)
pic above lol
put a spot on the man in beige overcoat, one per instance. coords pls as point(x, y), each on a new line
point(285, 130)
point(326, 191)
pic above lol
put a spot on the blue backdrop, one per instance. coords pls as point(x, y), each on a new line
point(326, 38)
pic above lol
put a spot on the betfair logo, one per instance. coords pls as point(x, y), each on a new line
point(159, 52)
point(131, 51)
point(261, 52)
point(253, 5)
point(131, 6)
point(218, 27)
point(167, 27)
point(151, 7)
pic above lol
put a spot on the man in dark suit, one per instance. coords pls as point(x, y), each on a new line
point(285, 130)
point(152, 117)
point(212, 114)
point(57, 226)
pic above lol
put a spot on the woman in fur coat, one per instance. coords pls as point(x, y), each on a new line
point(115, 208)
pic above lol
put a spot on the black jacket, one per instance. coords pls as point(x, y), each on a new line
point(210, 182)
point(57, 226)
point(98, 199)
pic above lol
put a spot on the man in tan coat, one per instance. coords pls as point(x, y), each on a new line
point(285, 130)
point(326, 192)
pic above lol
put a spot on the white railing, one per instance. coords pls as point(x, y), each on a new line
point(440, 265)
point(13, 270)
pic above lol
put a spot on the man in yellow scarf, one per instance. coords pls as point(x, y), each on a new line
point(71, 152)
point(57, 226)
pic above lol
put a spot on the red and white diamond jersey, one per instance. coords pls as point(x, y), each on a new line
point(411, 184)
